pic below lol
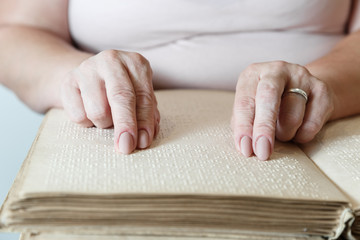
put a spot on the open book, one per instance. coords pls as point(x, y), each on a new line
point(190, 183)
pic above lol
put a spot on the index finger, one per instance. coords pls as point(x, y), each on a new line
point(268, 97)
point(122, 101)
point(244, 110)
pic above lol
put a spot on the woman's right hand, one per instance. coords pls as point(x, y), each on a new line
point(114, 88)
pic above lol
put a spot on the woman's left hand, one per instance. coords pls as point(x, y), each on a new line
point(264, 108)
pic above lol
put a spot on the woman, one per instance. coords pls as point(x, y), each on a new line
point(58, 54)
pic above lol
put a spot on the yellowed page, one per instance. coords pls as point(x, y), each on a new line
point(336, 150)
point(191, 168)
point(193, 154)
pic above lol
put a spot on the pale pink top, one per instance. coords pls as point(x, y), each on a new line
point(207, 43)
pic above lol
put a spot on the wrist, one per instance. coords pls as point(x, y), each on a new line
point(68, 63)
point(45, 93)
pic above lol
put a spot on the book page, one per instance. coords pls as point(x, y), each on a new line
point(336, 150)
point(194, 153)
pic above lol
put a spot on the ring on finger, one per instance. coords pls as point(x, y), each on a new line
point(299, 92)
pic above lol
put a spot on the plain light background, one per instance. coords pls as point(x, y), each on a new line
point(18, 128)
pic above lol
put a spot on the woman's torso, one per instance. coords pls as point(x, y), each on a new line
point(207, 43)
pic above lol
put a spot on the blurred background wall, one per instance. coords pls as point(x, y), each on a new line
point(18, 128)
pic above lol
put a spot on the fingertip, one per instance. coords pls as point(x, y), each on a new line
point(87, 124)
point(283, 136)
point(263, 148)
point(143, 139)
point(303, 138)
point(246, 146)
point(307, 131)
point(126, 143)
point(80, 118)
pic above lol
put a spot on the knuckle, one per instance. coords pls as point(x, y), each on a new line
point(301, 71)
point(139, 64)
point(98, 115)
point(244, 103)
point(83, 67)
point(145, 111)
point(268, 86)
point(87, 70)
point(122, 95)
point(278, 66)
point(146, 123)
point(78, 117)
point(241, 126)
point(126, 124)
point(251, 68)
point(279, 63)
point(266, 126)
point(283, 136)
point(248, 72)
point(291, 119)
point(109, 54)
point(107, 58)
point(267, 89)
point(137, 59)
point(144, 99)
point(311, 128)
point(275, 69)
point(125, 115)
point(303, 137)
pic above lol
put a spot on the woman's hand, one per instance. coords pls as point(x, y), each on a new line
point(264, 109)
point(114, 88)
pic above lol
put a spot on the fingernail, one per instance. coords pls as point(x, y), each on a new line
point(263, 148)
point(245, 146)
point(126, 143)
point(143, 139)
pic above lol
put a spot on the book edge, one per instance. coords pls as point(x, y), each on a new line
point(348, 216)
point(19, 176)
